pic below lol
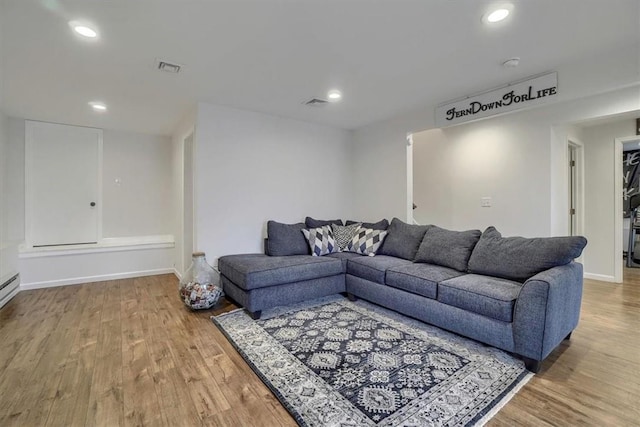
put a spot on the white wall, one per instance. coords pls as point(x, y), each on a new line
point(252, 167)
point(78, 267)
point(614, 74)
point(516, 158)
point(497, 159)
point(12, 197)
point(519, 159)
point(141, 203)
point(599, 151)
point(7, 265)
point(15, 178)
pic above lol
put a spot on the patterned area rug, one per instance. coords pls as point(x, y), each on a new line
point(332, 362)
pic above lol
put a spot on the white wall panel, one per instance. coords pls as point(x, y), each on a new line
point(252, 167)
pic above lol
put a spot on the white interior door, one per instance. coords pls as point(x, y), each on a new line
point(63, 184)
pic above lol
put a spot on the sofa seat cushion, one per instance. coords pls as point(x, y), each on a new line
point(489, 296)
point(420, 279)
point(374, 268)
point(252, 271)
point(344, 257)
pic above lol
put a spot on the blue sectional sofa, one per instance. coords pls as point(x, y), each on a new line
point(520, 295)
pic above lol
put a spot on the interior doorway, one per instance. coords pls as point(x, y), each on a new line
point(629, 165)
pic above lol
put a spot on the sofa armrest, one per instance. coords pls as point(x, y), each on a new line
point(547, 310)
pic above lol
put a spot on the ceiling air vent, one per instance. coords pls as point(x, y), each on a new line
point(316, 102)
point(168, 67)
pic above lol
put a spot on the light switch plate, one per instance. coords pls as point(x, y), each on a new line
point(485, 202)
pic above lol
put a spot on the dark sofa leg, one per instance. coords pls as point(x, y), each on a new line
point(568, 337)
point(532, 365)
point(351, 297)
point(255, 315)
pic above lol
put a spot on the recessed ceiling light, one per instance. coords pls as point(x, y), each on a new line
point(334, 95)
point(83, 29)
point(98, 106)
point(497, 15)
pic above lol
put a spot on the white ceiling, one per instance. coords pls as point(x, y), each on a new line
point(387, 56)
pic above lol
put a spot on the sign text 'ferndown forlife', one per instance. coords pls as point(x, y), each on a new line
point(512, 97)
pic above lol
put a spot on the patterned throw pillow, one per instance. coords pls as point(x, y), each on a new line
point(321, 240)
point(367, 241)
point(344, 234)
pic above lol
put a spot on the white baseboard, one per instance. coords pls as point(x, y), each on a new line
point(600, 277)
point(92, 279)
point(177, 274)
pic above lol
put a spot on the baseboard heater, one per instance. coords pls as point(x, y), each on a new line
point(8, 286)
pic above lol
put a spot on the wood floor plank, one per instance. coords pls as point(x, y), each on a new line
point(49, 369)
point(141, 407)
point(28, 355)
point(129, 353)
point(106, 400)
point(17, 331)
point(184, 330)
point(71, 403)
point(176, 405)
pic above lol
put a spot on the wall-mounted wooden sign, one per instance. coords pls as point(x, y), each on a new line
point(512, 97)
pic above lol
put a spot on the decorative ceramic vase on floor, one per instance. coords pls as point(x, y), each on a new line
point(200, 285)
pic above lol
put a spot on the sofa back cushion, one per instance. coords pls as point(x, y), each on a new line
point(383, 224)
point(315, 223)
point(447, 248)
point(286, 239)
point(520, 258)
point(403, 239)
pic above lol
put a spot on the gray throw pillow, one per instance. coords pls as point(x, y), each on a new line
point(344, 233)
point(447, 248)
point(366, 241)
point(383, 224)
point(321, 240)
point(520, 258)
point(286, 239)
point(315, 223)
point(403, 239)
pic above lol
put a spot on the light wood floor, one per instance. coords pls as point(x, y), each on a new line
point(128, 352)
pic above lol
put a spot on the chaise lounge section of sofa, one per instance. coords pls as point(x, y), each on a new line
point(520, 295)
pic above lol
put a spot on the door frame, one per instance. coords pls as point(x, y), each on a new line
point(29, 127)
point(409, 156)
point(579, 187)
point(189, 135)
